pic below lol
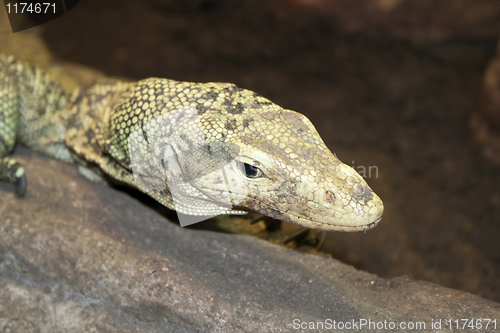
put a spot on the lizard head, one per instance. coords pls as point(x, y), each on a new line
point(287, 170)
point(223, 148)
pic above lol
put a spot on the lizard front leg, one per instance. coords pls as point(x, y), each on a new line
point(30, 113)
point(10, 170)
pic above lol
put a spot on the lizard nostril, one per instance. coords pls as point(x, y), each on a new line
point(359, 190)
point(330, 196)
point(362, 192)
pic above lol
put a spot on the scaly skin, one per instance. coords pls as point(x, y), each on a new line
point(155, 132)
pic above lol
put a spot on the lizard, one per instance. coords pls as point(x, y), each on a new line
point(157, 135)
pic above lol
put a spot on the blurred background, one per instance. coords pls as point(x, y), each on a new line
point(407, 86)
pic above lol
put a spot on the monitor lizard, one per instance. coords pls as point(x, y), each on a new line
point(274, 159)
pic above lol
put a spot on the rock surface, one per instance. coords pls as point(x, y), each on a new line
point(85, 257)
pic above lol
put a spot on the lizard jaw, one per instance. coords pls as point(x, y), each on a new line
point(326, 226)
point(327, 218)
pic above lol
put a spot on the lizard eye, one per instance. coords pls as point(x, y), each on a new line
point(249, 170)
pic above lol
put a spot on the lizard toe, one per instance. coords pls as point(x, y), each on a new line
point(13, 172)
point(21, 185)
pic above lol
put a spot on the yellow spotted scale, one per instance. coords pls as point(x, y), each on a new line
point(157, 134)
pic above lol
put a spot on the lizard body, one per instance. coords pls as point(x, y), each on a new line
point(159, 134)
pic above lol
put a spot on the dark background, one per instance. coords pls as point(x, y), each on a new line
point(390, 84)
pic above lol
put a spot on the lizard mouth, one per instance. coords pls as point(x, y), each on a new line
point(320, 225)
point(325, 226)
point(373, 224)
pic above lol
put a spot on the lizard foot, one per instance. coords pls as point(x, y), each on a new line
point(309, 237)
point(270, 223)
point(301, 237)
point(12, 172)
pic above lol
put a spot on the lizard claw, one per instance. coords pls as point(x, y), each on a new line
point(13, 172)
point(20, 185)
point(298, 236)
point(303, 236)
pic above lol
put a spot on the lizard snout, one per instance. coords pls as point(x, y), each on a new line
point(346, 205)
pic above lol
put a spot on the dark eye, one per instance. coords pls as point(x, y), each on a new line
point(249, 170)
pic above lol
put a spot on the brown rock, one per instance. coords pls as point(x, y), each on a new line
point(78, 256)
